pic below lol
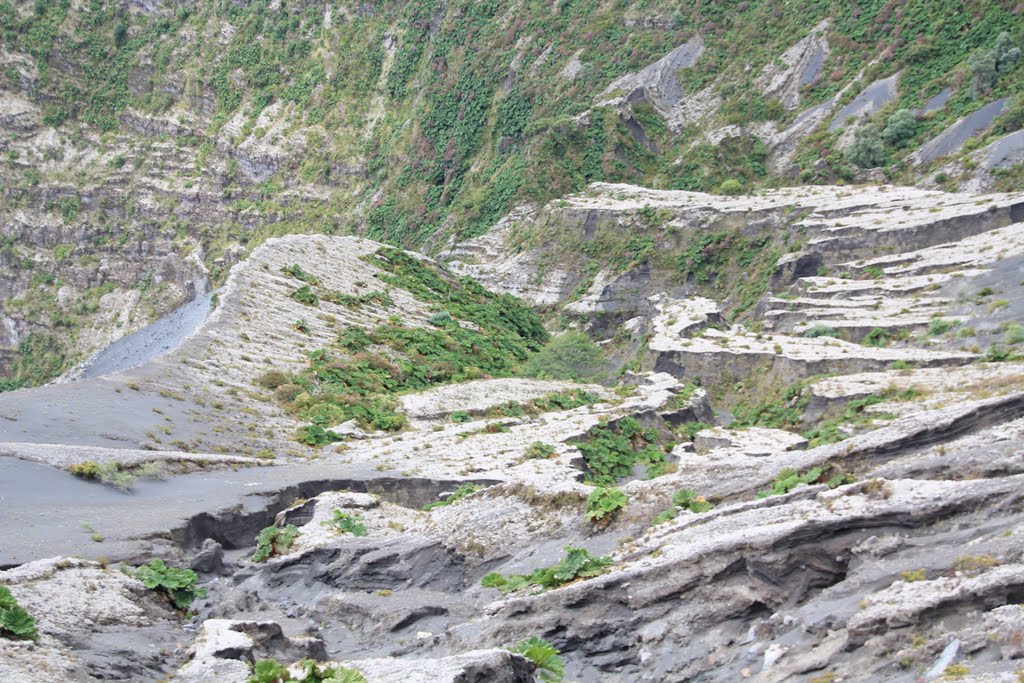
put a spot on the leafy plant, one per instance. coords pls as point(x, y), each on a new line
point(603, 504)
point(346, 523)
point(612, 451)
point(15, 622)
point(463, 491)
point(179, 585)
point(305, 295)
point(544, 656)
point(877, 337)
point(460, 416)
point(315, 435)
point(683, 499)
point(273, 541)
point(539, 450)
point(866, 150)
point(577, 564)
point(296, 271)
point(899, 128)
point(272, 671)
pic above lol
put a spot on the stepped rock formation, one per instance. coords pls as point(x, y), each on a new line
point(830, 369)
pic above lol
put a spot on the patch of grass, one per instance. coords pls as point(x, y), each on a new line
point(820, 331)
point(272, 671)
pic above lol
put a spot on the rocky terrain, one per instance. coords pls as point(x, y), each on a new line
point(807, 465)
point(705, 361)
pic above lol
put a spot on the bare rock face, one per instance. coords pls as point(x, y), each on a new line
point(94, 623)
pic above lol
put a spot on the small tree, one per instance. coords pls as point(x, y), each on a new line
point(987, 65)
point(571, 355)
point(867, 150)
point(899, 128)
point(731, 187)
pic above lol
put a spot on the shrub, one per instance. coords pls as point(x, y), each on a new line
point(441, 318)
point(86, 470)
point(286, 393)
point(866, 150)
point(460, 493)
point(272, 379)
point(544, 658)
point(899, 128)
point(937, 326)
point(571, 356)
point(1014, 334)
point(877, 337)
point(296, 271)
point(731, 187)
point(315, 435)
point(683, 499)
point(15, 622)
point(539, 450)
point(577, 564)
point(986, 66)
point(603, 504)
point(460, 416)
point(179, 585)
point(346, 523)
point(274, 541)
point(820, 331)
point(305, 295)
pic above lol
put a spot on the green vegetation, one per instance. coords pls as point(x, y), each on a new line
point(463, 491)
point(117, 474)
point(612, 450)
point(940, 326)
point(179, 585)
point(570, 356)
point(544, 656)
point(539, 450)
point(899, 128)
point(578, 564)
point(273, 541)
point(346, 523)
point(15, 622)
point(272, 671)
point(296, 271)
point(683, 499)
point(359, 376)
point(866, 150)
point(820, 331)
point(788, 479)
point(604, 504)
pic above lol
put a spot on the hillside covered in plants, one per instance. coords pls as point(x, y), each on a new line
point(149, 146)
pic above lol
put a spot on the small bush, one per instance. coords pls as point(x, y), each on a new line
point(545, 659)
point(731, 187)
point(820, 331)
point(86, 470)
point(571, 356)
point(346, 523)
point(460, 416)
point(460, 493)
point(1014, 334)
point(539, 450)
point(441, 318)
point(305, 295)
point(938, 326)
point(272, 379)
point(296, 271)
point(877, 337)
point(274, 541)
point(179, 585)
point(603, 504)
point(315, 435)
point(867, 150)
point(286, 393)
point(15, 622)
point(899, 128)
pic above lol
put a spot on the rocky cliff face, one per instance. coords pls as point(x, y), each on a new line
point(149, 146)
point(811, 472)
